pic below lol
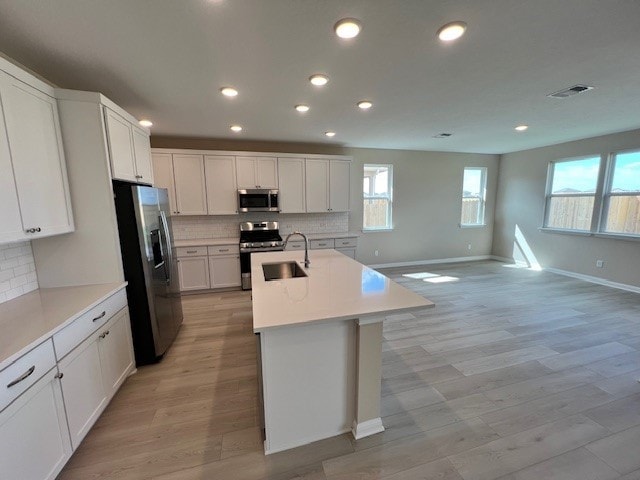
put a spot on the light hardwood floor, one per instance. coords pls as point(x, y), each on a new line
point(515, 374)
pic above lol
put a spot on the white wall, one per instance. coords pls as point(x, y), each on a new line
point(427, 203)
point(520, 202)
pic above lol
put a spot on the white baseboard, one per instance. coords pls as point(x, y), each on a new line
point(432, 262)
point(498, 258)
point(592, 279)
point(365, 429)
point(305, 441)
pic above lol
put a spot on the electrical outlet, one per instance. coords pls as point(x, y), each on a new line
point(376, 253)
point(469, 247)
point(599, 263)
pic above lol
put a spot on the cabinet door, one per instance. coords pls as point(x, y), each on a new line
point(163, 177)
point(83, 388)
point(246, 172)
point(142, 154)
point(33, 132)
point(317, 185)
point(188, 174)
point(349, 252)
point(116, 354)
point(224, 271)
point(10, 220)
point(291, 185)
point(33, 433)
point(193, 273)
point(123, 166)
point(220, 179)
point(267, 173)
point(339, 172)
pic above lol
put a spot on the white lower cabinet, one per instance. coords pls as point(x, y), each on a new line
point(193, 273)
point(224, 271)
point(349, 252)
point(33, 433)
point(92, 373)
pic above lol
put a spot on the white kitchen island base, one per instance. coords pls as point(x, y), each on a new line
point(321, 346)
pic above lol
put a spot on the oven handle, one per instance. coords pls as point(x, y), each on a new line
point(265, 249)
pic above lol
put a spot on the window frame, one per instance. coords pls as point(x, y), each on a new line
point(607, 193)
point(596, 212)
point(482, 213)
point(388, 197)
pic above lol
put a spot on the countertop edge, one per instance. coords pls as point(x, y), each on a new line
point(4, 363)
point(206, 242)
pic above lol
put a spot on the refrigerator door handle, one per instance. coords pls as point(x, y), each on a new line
point(167, 236)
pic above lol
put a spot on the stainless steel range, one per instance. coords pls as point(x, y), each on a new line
point(257, 237)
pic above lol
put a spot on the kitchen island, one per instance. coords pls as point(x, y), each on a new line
point(321, 344)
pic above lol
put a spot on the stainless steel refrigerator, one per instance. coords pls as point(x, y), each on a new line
point(150, 267)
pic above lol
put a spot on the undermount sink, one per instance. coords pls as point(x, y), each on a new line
point(282, 270)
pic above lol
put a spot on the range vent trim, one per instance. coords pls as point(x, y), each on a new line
point(571, 91)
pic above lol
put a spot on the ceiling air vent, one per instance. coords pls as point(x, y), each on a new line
point(569, 92)
point(443, 135)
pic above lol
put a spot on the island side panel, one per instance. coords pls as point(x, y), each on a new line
point(308, 383)
point(368, 378)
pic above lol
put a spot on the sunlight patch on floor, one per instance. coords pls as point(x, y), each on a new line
point(441, 279)
point(420, 275)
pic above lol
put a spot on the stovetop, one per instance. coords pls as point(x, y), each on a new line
point(260, 235)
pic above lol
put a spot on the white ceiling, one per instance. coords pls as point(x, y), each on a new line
point(166, 60)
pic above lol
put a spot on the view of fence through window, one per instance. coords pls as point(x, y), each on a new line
point(623, 197)
point(572, 194)
point(474, 185)
point(377, 191)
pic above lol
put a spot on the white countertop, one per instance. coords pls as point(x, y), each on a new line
point(336, 288)
point(322, 236)
point(30, 319)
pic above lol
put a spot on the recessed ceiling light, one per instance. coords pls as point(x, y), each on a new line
point(522, 128)
point(146, 123)
point(452, 31)
point(365, 105)
point(229, 91)
point(302, 108)
point(319, 79)
point(236, 128)
point(348, 28)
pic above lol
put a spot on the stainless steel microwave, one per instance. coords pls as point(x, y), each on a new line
point(258, 200)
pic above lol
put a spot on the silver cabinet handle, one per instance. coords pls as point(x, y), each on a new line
point(223, 250)
point(59, 375)
point(104, 312)
point(104, 334)
point(33, 230)
point(192, 251)
point(22, 377)
point(139, 176)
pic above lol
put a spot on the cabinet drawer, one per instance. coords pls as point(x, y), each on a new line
point(346, 242)
point(319, 244)
point(224, 250)
point(191, 252)
point(25, 371)
point(70, 337)
point(295, 246)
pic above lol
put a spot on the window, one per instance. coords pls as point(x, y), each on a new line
point(474, 187)
point(571, 193)
point(377, 187)
point(622, 194)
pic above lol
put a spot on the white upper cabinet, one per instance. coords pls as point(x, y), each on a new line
point(257, 172)
point(327, 185)
point(35, 192)
point(339, 181)
point(163, 177)
point(220, 180)
point(188, 175)
point(129, 150)
point(291, 180)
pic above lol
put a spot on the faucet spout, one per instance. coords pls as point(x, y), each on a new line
point(307, 263)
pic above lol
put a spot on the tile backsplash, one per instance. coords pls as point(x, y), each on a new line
point(17, 270)
point(222, 226)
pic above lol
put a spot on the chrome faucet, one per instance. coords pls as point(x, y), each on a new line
point(307, 263)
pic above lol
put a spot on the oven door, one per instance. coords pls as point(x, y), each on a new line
point(258, 200)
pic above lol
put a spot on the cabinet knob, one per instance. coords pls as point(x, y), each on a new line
point(59, 375)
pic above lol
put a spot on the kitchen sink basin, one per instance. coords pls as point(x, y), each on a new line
point(282, 270)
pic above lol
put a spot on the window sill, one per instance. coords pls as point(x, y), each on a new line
point(377, 230)
point(582, 233)
point(472, 225)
